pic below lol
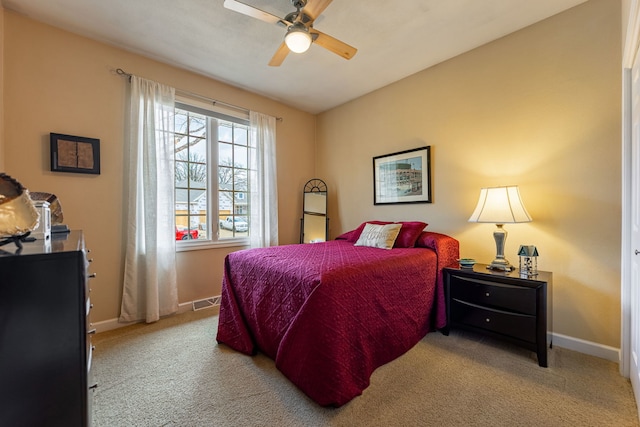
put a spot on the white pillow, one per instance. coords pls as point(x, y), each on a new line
point(379, 236)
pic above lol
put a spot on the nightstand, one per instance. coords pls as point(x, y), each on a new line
point(501, 305)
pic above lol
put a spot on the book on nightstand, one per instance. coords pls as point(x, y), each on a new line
point(59, 228)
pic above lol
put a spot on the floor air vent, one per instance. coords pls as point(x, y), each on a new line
point(206, 303)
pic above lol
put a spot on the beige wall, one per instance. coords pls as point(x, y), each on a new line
point(626, 12)
point(55, 81)
point(539, 108)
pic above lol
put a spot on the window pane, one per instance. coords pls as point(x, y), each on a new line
point(197, 125)
point(182, 196)
point(202, 210)
point(225, 154)
point(186, 233)
point(182, 221)
point(181, 173)
point(198, 175)
point(241, 204)
point(225, 203)
point(225, 132)
point(198, 149)
point(225, 178)
point(181, 122)
point(240, 157)
point(233, 226)
point(240, 178)
point(203, 233)
point(240, 135)
point(197, 203)
point(181, 143)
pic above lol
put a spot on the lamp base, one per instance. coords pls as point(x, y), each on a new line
point(500, 264)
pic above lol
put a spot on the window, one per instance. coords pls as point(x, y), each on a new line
point(211, 176)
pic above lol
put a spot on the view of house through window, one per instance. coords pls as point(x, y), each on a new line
point(211, 175)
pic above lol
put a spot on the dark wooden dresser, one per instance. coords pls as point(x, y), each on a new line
point(45, 344)
point(501, 304)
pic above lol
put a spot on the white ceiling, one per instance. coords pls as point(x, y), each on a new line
point(394, 39)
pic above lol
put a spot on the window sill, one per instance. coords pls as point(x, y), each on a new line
point(210, 244)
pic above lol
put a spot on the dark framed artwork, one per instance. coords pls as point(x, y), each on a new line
point(75, 154)
point(403, 177)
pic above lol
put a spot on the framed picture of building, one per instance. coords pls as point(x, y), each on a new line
point(403, 177)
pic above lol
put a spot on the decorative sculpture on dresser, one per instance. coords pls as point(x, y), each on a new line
point(18, 215)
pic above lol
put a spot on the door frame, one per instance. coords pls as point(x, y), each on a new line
point(631, 46)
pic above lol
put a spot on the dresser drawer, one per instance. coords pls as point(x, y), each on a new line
point(496, 295)
point(511, 324)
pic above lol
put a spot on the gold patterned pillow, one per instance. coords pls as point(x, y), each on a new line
point(379, 236)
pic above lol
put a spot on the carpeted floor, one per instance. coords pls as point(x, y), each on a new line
point(173, 373)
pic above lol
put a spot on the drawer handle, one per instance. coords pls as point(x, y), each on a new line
point(487, 320)
point(487, 294)
point(92, 275)
point(91, 332)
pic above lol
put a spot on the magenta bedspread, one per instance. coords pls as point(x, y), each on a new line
point(330, 313)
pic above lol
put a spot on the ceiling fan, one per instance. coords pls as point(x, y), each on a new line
point(300, 32)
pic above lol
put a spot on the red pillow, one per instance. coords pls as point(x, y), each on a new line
point(407, 237)
point(409, 233)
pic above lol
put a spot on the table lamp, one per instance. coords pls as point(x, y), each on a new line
point(500, 205)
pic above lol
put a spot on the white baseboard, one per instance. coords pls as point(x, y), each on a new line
point(587, 347)
point(111, 324)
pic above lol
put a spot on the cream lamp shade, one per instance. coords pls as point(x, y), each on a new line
point(298, 38)
point(500, 205)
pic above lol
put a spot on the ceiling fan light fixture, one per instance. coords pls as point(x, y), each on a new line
point(298, 39)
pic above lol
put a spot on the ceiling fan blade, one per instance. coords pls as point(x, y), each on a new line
point(332, 44)
point(253, 12)
point(279, 56)
point(314, 8)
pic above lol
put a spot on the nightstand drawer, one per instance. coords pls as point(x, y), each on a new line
point(496, 295)
point(507, 323)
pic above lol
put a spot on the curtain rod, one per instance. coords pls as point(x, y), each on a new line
point(121, 72)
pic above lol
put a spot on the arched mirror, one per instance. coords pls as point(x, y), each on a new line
point(314, 224)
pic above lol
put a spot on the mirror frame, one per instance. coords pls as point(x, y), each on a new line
point(313, 210)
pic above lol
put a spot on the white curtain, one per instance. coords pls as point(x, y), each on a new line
point(262, 181)
point(150, 281)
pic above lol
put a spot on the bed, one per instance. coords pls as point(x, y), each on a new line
point(330, 313)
